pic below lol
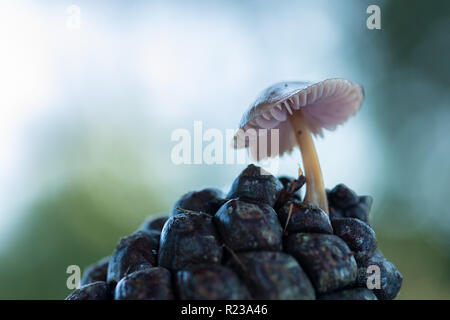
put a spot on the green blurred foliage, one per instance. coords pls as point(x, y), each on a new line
point(104, 191)
point(74, 226)
point(424, 267)
point(406, 72)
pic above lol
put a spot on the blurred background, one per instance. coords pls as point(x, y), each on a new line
point(88, 106)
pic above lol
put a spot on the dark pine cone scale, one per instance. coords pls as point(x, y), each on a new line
point(260, 241)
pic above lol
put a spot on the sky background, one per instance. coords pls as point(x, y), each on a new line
point(86, 117)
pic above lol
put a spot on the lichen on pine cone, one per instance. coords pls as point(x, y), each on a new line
point(261, 241)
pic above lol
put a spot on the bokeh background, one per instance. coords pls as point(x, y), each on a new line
point(86, 117)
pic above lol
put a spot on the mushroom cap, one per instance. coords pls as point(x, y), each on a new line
point(324, 105)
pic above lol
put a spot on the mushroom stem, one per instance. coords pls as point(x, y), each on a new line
point(315, 191)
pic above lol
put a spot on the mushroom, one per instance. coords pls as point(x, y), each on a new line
point(298, 110)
